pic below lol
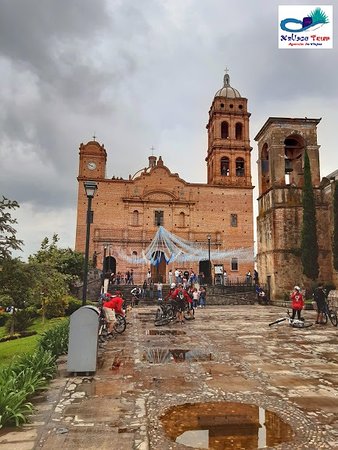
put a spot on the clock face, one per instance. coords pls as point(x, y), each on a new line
point(91, 165)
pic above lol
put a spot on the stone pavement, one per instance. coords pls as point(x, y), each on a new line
point(226, 354)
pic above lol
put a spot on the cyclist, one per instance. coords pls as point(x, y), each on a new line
point(136, 294)
point(113, 305)
point(182, 299)
point(319, 296)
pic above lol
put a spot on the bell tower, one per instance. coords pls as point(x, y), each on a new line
point(228, 157)
point(92, 161)
point(282, 143)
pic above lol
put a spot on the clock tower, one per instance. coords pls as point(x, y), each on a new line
point(93, 158)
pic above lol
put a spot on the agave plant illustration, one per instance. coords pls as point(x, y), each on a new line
point(318, 16)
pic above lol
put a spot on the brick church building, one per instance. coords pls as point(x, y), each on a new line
point(216, 215)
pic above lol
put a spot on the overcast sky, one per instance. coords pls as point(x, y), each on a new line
point(139, 74)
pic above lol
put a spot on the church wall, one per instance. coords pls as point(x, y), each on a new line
point(207, 210)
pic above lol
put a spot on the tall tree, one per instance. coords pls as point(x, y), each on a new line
point(8, 239)
point(335, 226)
point(309, 244)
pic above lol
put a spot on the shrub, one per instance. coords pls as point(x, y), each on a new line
point(14, 407)
point(55, 339)
point(21, 380)
point(29, 373)
point(3, 318)
point(56, 307)
point(22, 320)
point(73, 305)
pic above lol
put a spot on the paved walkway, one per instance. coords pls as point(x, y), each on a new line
point(225, 354)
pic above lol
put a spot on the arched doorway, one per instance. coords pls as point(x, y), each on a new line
point(109, 266)
point(158, 272)
point(204, 268)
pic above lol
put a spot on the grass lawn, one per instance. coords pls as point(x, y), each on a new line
point(10, 349)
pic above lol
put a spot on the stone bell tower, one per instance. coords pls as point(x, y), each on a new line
point(228, 157)
point(282, 143)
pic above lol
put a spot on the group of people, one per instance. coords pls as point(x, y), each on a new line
point(122, 278)
point(297, 302)
point(186, 300)
point(185, 277)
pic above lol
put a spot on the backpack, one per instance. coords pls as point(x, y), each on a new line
point(180, 295)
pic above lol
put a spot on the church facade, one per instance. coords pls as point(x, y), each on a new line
point(217, 215)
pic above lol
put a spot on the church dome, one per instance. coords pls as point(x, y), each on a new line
point(227, 91)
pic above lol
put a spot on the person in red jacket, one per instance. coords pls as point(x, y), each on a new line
point(110, 307)
point(182, 300)
point(297, 302)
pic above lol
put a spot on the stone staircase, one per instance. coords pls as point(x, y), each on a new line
point(216, 295)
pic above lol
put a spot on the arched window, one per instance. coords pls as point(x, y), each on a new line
point(181, 222)
point(135, 217)
point(225, 166)
point(224, 130)
point(265, 168)
point(239, 131)
point(240, 172)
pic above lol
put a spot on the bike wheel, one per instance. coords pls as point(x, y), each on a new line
point(120, 324)
point(162, 321)
point(324, 318)
point(333, 317)
point(159, 314)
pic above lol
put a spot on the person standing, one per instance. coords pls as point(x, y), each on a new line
point(319, 296)
point(144, 289)
point(177, 276)
point(159, 290)
point(202, 297)
point(149, 277)
point(297, 303)
point(170, 277)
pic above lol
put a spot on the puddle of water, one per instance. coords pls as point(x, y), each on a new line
point(161, 355)
point(225, 425)
point(165, 332)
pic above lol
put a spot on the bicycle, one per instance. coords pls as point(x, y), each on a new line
point(295, 323)
point(165, 313)
point(330, 313)
point(118, 327)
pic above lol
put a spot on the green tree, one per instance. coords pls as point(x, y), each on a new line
point(8, 239)
point(335, 226)
point(49, 291)
point(309, 243)
point(55, 270)
point(15, 282)
point(64, 260)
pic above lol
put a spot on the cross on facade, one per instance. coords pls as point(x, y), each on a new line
point(152, 150)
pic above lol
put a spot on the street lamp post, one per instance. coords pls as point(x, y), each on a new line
point(104, 266)
point(209, 262)
point(90, 188)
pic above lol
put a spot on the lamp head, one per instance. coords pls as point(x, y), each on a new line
point(90, 188)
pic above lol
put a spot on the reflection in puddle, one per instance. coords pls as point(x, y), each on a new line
point(225, 425)
point(161, 355)
point(165, 332)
